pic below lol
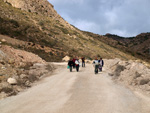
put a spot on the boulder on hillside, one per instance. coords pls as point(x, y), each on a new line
point(3, 40)
point(66, 58)
point(12, 81)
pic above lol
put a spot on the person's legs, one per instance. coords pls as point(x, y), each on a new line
point(101, 68)
point(96, 69)
point(83, 64)
point(70, 68)
point(74, 66)
point(77, 68)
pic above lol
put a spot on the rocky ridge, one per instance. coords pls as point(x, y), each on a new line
point(38, 6)
point(41, 7)
point(138, 46)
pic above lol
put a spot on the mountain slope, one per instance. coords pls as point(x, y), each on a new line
point(138, 46)
point(47, 34)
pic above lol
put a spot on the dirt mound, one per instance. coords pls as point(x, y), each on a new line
point(131, 73)
point(19, 69)
point(20, 57)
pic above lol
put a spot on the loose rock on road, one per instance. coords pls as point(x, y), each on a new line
point(74, 92)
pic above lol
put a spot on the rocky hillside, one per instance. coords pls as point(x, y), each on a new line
point(42, 7)
point(45, 33)
point(138, 46)
point(37, 6)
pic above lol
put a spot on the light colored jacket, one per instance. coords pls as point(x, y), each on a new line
point(96, 62)
point(77, 62)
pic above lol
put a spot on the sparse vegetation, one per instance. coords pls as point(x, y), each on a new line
point(118, 70)
point(46, 31)
point(144, 81)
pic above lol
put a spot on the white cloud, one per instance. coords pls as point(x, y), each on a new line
point(82, 24)
point(85, 25)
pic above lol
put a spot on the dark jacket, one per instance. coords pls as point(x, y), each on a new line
point(83, 59)
point(70, 63)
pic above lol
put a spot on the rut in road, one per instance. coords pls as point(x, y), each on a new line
point(75, 92)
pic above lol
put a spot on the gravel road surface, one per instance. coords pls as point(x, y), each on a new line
point(76, 92)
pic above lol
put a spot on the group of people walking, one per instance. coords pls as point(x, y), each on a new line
point(75, 63)
point(98, 63)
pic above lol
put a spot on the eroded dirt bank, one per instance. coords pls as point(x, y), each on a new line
point(19, 69)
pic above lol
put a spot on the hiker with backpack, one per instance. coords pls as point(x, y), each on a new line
point(96, 65)
point(101, 64)
point(77, 63)
point(70, 64)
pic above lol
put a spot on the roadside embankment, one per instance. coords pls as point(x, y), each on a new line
point(133, 74)
point(19, 69)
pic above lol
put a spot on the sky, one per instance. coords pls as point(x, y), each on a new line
point(125, 18)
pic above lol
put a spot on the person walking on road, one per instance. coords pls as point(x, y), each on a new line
point(83, 61)
point(96, 65)
point(101, 64)
point(77, 63)
point(70, 64)
point(74, 59)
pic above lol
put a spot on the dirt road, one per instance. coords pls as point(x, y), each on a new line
point(75, 92)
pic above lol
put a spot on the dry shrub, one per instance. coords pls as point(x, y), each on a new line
point(6, 89)
point(21, 83)
point(137, 75)
point(118, 70)
point(144, 81)
point(32, 78)
point(50, 67)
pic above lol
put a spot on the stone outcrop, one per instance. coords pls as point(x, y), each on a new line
point(39, 6)
point(12, 81)
point(42, 7)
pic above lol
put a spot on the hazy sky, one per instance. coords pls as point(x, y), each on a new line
point(121, 17)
